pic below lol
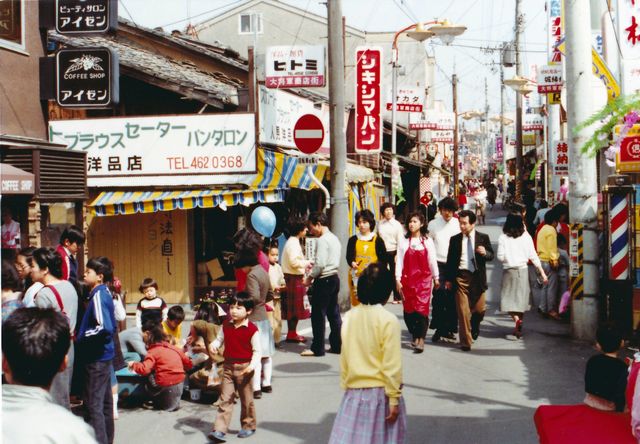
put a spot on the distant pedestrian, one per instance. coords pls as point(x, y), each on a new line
point(151, 307)
point(392, 233)
point(416, 272)
point(515, 250)
point(34, 348)
point(71, 240)
point(241, 341)
point(278, 286)
point(441, 229)
point(10, 230)
point(466, 270)
point(372, 409)
point(294, 266)
point(325, 287)
point(547, 248)
point(363, 248)
point(10, 289)
point(24, 259)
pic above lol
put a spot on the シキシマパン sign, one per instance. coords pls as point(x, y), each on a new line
point(368, 116)
point(295, 66)
point(208, 149)
point(84, 16)
point(86, 78)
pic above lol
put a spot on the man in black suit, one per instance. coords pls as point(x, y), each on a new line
point(467, 272)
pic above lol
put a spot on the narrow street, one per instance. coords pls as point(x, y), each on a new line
point(486, 396)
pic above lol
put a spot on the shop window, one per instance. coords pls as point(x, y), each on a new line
point(55, 218)
point(12, 16)
point(250, 23)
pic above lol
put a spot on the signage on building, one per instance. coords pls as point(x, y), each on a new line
point(550, 79)
point(532, 122)
point(442, 136)
point(555, 30)
point(86, 78)
point(408, 99)
point(499, 149)
point(279, 112)
point(368, 112)
point(628, 160)
point(432, 120)
point(308, 133)
point(162, 150)
point(85, 16)
point(560, 156)
point(295, 66)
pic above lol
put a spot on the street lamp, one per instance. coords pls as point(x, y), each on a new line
point(522, 86)
point(442, 29)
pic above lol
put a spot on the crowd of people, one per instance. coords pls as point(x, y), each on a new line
point(435, 266)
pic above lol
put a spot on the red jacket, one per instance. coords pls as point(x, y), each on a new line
point(169, 363)
point(66, 263)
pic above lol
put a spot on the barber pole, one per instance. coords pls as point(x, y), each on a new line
point(619, 237)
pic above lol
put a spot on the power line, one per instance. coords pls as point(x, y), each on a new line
point(615, 32)
point(202, 13)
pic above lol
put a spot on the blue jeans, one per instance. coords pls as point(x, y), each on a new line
point(324, 303)
point(98, 399)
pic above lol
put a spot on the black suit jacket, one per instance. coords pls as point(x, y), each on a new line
point(455, 253)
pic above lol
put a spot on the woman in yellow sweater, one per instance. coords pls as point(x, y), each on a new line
point(372, 410)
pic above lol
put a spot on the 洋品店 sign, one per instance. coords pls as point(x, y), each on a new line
point(162, 150)
point(408, 99)
point(85, 16)
point(294, 66)
point(368, 116)
point(87, 78)
point(550, 78)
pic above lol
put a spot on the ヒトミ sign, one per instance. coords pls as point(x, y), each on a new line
point(86, 78)
point(295, 66)
point(308, 133)
point(368, 121)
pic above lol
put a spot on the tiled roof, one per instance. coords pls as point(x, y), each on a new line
point(183, 75)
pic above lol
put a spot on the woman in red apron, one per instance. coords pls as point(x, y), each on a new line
point(416, 269)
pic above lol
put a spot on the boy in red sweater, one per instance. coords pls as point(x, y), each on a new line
point(241, 357)
point(169, 364)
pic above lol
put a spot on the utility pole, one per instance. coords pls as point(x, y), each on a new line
point(519, 159)
point(504, 149)
point(338, 164)
point(583, 191)
point(485, 146)
point(454, 84)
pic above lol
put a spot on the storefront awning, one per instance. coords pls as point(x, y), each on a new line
point(15, 180)
point(114, 203)
point(278, 170)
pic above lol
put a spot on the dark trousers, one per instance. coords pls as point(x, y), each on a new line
point(324, 304)
point(444, 317)
point(166, 398)
point(417, 324)
point(98, 399)
point(391, 256)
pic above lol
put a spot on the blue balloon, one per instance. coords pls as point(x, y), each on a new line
point(263, 221)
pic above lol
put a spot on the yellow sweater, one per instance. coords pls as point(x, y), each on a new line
point(547, 244)
point(371, 351)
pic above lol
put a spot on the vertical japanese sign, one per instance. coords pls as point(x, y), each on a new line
point(555, 31)
point(499, 149)
point(368, 121)
point(295, 66)
point(628, 23)
point(84, 16)
point(86, 78)
point(560, 158)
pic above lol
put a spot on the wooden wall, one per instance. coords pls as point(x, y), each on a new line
point(156, 245)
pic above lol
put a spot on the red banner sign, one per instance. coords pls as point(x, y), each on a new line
point(368, 121)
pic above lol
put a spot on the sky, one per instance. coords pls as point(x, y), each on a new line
point(488, 22)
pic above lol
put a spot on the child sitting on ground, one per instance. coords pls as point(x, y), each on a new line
point(278, 285)
point(172, 325)
point(241, 358)
point(151, 307)
point(605, 379)
point(168, 364)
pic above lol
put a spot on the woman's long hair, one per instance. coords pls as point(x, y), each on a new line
point(514, 225)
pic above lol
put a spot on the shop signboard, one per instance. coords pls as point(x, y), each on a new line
point(532, 122)
point(560, 156)
point(182, 150)
point(432, 120)
point(442, 136)
point(550, 79)
point(368, 112)
point(499, 149)
point(408, 99)
point(87, 78)
point(85, 16)
point(279, 112)
point(300, 66)
point(555, 30)
point(628, 159)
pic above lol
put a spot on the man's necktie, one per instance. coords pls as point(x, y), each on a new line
point(471, 263)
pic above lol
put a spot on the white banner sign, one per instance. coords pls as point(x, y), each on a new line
point(409, 99)
point(279, 112)
point(162, 150)
point(432, 120)
point(550, 78)
point(442, 136)
point(294, 66)
point(532, 122)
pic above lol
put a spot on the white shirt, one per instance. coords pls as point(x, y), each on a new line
point(293, 260)
point(441, 232)
point(516, 252)
point(29, 296)
point(417, 244)
point(391, 232)
point(463, 257)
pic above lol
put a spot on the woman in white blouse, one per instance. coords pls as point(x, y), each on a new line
point(515, 250)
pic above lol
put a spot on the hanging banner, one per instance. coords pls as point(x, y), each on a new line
point(368, 112)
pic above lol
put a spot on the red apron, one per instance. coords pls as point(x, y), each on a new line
point(416, 280)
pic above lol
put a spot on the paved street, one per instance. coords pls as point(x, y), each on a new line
point(486, 396)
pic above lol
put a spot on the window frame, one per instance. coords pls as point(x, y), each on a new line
point(22, 46)
point(251, 15)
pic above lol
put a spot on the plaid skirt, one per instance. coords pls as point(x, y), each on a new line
point(293, 298)
point(361, 419)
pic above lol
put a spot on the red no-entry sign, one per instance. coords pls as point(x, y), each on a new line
point(308, 133)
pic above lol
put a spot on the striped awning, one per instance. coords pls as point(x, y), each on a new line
point(114, 203)
point(279, 170)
